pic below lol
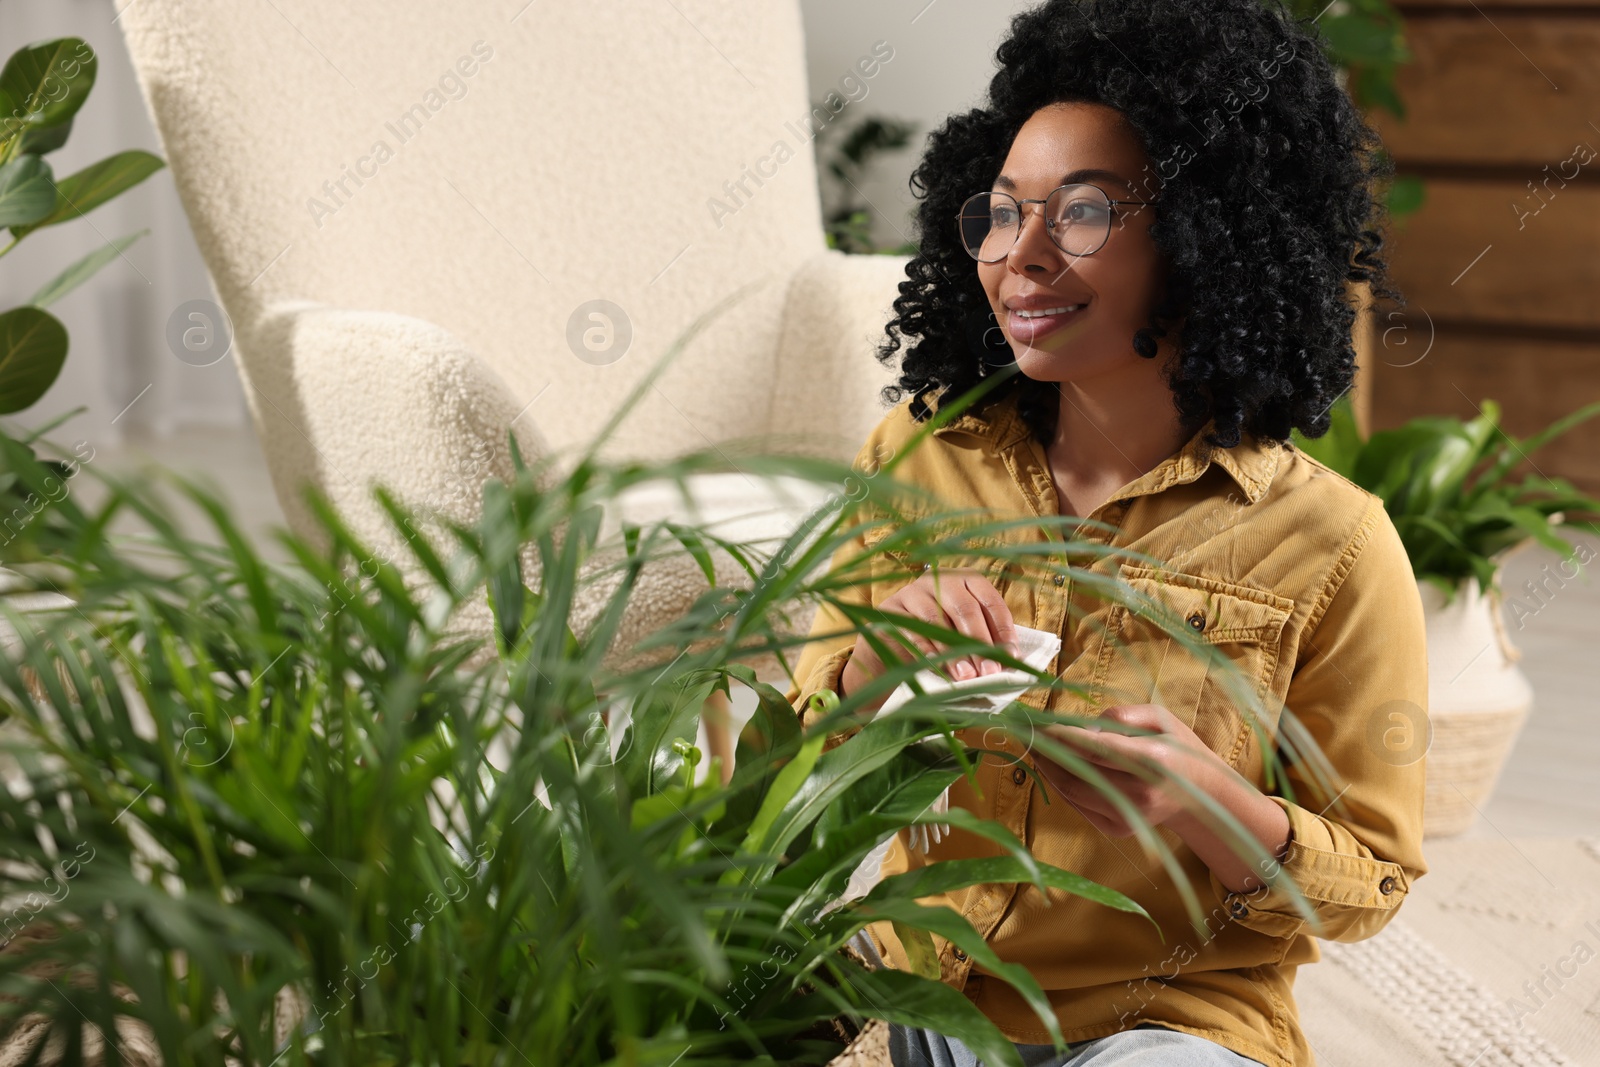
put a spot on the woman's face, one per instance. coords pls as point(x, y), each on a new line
point(1118, 285)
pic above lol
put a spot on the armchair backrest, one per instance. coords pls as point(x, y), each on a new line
point(498, 166)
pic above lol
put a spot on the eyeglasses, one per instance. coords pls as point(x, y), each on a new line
point(1077, 218)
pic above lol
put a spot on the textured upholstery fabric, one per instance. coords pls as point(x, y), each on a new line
point(406, 206)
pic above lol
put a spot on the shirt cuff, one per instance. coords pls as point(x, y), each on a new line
point(1339, 887)
point(824, 676)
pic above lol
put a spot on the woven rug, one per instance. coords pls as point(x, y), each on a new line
point(1492, 961)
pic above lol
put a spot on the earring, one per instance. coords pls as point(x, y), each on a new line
point(987, 340)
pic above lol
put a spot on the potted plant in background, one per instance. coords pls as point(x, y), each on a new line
point(1449, 486)
point(42, 88)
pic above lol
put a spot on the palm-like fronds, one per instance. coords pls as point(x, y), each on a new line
point(289, 814)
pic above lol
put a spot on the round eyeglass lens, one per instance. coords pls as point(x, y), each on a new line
point(1078, 218)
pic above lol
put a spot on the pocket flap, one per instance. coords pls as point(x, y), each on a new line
point(1213, 610)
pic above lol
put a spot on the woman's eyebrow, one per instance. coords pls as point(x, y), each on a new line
point(1070, 178)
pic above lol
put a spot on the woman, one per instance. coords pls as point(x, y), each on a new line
point(1161, 204)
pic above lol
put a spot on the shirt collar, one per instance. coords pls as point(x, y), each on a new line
point(1251, 463)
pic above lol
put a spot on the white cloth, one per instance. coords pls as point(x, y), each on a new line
point(1035, 648)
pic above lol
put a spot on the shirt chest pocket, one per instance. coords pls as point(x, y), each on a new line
point(1209, 681)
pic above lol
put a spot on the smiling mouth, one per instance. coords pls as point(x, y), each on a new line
point(1029, 326)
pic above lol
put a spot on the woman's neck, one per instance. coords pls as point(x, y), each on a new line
point(1106, 438)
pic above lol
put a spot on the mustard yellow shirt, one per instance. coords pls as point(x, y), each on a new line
point(1299, 577)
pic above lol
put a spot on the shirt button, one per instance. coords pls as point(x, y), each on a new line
point(1386, 886)
point(1239, 909)
point(961, 956)
point(1197, 622)
point(1020, 776)
point(1060, 579)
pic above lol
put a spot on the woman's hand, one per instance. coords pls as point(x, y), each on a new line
point(962, 600)
point(1173, 750)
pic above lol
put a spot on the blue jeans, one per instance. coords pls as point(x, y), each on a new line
point(1146, 1043)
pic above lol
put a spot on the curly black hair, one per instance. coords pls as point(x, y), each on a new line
point(1269, 203)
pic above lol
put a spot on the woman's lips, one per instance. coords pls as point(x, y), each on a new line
point(1030, 330)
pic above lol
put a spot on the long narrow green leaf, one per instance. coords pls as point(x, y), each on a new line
point(81, 271)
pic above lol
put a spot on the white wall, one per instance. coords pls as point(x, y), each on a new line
point(117, 321)
point(943, 60)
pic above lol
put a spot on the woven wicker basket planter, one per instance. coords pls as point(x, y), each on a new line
point(1478, 699)
point(869, 1049)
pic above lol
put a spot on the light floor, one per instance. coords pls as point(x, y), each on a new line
point(1551, 783)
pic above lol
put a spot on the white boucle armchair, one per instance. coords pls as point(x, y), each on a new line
point(408, 207)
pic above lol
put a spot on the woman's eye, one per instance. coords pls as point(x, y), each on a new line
point(1003, 216)
point(1084, 211)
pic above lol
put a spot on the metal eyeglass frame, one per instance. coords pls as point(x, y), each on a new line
point(1049, 228)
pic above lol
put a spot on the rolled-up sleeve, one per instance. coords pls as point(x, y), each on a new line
point(1360, 689)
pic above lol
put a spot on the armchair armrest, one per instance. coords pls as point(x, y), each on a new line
point(346, 399)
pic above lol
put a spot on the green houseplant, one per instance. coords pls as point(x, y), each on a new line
point(42, 88)
point(288, 814)
point(1451, 489)
point(1449, 486)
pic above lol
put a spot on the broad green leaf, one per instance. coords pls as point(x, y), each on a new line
point(82, 270)
point(1442, 472)
point(1407, 193)
point(918, 944)
point(1339, 448)
point(764, 745)
point(955, 928)
point(1513, 452)
point(42, 140)
point(1374, 85)
point(665, 715)
point(1530, 522)
point(949, 875)
point(80, 193)
point(1356, 37)
point(33, 345)
point(789, 782)
point(900, 997)
point(45, 84)
point(27, 191)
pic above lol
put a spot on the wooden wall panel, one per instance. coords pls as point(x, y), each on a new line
point(1467, 256)
point(1535, 382)
point(1474, 97)
point(1501, 267)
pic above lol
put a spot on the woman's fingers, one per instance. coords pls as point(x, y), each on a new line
point(962, 600)
point(975, 610)
point(1002, 627)
point(918, 604)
